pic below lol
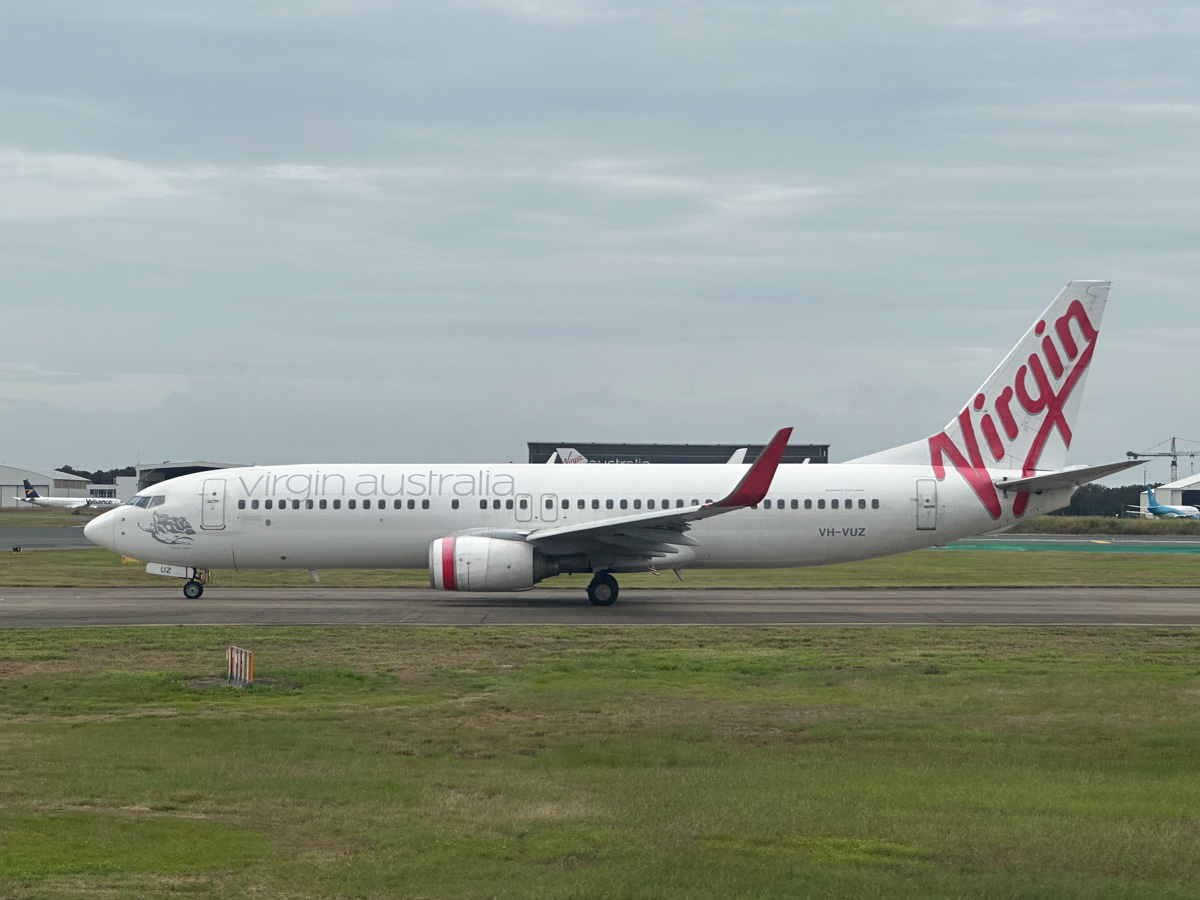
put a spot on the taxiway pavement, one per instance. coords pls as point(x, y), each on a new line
point(73, 607)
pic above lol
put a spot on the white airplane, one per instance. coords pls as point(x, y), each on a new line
point(1162, 511)
point(506, 527)
point(33, 498)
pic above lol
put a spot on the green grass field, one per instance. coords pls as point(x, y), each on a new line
point(587, 763)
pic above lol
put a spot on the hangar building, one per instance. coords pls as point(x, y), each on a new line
point(153, 473)
point(47, 482)
point(544, 451)
point(1184, 492)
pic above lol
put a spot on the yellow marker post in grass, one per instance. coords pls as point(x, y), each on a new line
point(240, 666)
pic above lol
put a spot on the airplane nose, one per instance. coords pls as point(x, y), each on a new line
point(100, 530)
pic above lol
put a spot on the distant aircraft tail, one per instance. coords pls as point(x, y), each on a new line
point(1022, 417)
point(570, 455)
point(1151, 502)
point(30, 493)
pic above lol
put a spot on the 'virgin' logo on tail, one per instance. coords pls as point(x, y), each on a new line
point(1052, 380)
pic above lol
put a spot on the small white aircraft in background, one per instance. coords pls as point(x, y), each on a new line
point(1001, 458)
point(33, 498)
point(1163, 511)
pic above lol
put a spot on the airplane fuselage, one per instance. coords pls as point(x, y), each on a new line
point(68, 502)
point(386, 516)
point(1175, 512)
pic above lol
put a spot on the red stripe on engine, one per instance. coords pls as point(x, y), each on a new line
point(448, 565)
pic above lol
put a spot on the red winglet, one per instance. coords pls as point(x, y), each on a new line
point(754, 486)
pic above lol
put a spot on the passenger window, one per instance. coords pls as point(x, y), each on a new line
point(295, 504)
point(351, 504)
point(508, 504)
point(649, 504)
point(549, 504)
point(608, 504)
point(366, 504)
point(637, 504)
point(397, 504)
point(524, 503)
point(779, 504)
point(337, 504)
point(808, 504)
point(678, 504)
point(767, 504)
point(833, 504)
point(483, 504)
point(666, 504)
point(424, 504)
point(820, 504)
point(308, 504)
point(412, 504)
point(454, 503)
point(496, 504)
point(595, 504)
point(254, 504)
point(241, 504)
point(324, 504)
point(795, 504)
point(624, 504)
point(874, 504)
point(862, 504)
point(695, 502)
point(581, 504)
point(267, 504)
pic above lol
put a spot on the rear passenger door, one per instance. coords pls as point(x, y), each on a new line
point(926, 504)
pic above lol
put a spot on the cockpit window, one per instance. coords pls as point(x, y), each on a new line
point(147, 502)
point(143, 502)
point(157, 501)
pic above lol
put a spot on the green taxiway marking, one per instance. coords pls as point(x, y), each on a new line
point(1077, 546)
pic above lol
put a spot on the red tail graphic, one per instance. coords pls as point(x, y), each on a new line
point(1041, 387)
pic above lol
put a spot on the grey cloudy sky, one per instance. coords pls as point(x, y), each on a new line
point(284, 231)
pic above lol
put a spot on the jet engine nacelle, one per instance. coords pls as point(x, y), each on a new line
point(474, 563)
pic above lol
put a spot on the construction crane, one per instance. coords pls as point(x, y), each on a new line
point(1173, 454)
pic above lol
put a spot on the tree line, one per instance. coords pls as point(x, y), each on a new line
point(100, 476)
point(1098, 500)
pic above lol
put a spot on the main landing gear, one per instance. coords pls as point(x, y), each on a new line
point(603, 590)
point(193, 589)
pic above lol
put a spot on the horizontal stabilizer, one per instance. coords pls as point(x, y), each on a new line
point(1056, 481)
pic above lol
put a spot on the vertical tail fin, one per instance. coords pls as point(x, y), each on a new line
point(30, 493)
point(1022, 416)
point(570, 455)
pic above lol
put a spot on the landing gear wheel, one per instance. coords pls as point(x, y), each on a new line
point(603, 590)
point(192, 590)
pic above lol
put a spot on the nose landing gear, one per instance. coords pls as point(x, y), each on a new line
point(603, 590)
point(196, 578)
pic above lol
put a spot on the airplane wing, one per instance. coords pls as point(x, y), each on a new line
point(661, 533)
point(1036, 484)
